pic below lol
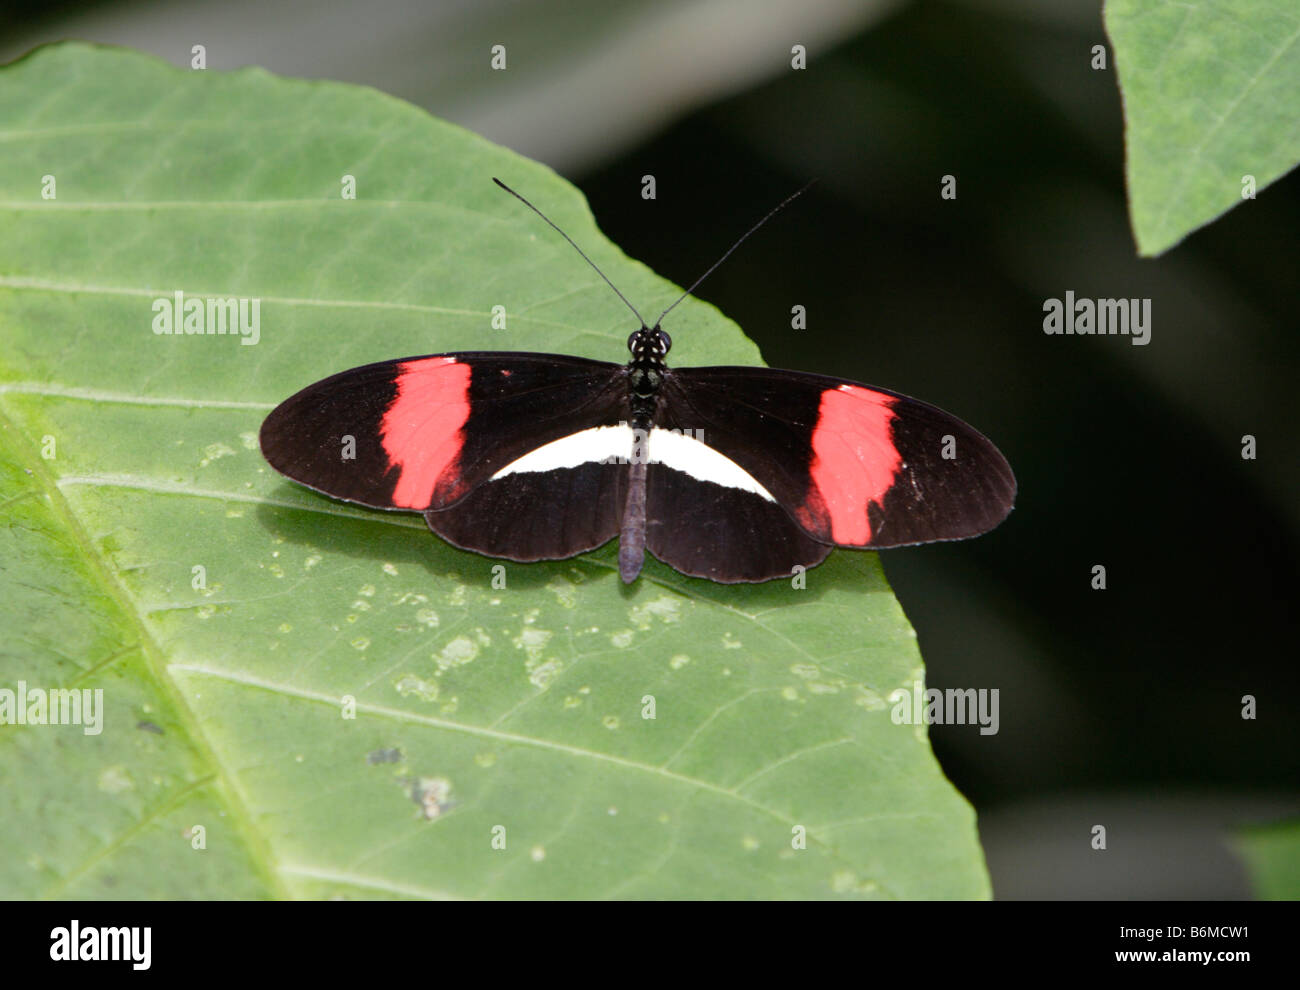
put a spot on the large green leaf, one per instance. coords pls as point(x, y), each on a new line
point(1211, 95)
point(129, 459)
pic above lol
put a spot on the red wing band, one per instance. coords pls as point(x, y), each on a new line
point(421, 429)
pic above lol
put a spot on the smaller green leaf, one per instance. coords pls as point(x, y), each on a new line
point(1272, 855)
point(1211, 107)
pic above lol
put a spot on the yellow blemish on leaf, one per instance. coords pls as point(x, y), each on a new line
point(214, 452)
point(847, 882)
point(114, 780)
point(869, 699)
point(457, 653)
point(410, 684)
point(432, 795)
point(564, 590)
point(542, 674)
point(666, 608)
point(532, 641)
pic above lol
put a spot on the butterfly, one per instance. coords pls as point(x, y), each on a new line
point(735, 474)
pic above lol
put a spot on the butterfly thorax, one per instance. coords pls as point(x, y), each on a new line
point(645, 373)
point(645, 377)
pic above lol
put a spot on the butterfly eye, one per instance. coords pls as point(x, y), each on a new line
point(631, 340)
point(663, 341)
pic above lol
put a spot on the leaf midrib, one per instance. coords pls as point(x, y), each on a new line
point(228, 792)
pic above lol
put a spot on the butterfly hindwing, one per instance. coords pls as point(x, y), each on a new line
point(721, 532)
point(528, 515)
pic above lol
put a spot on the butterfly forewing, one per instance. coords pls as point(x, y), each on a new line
point(422, 433)
point(850, 464)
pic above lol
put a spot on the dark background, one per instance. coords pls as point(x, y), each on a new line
point(1119, 707)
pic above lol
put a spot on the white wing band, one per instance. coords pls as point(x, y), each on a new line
point(614, 444)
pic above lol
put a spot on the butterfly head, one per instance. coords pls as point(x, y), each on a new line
point(649, 344)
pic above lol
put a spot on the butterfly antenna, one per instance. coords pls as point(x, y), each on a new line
point(771, 213)
point(575, 247)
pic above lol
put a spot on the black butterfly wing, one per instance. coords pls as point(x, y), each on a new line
point(429, 434)
point(720, 532)
point(847, 465)
point(539, 515)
